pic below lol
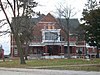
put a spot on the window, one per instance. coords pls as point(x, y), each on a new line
point(15, 51)
point(49, 27)
point(80, 50)
point(51, 35)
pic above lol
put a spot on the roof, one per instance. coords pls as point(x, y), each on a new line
point(48, 18)
point(73, 23)
point(36, 20)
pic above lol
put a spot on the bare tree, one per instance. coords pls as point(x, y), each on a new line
point(15, 6)
point(3, 23)
point(66, 12)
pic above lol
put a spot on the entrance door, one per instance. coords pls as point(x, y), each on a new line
point(53, 50)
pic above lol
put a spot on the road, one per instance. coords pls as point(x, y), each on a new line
point(18, 71)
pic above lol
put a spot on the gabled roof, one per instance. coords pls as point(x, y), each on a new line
point(73, 23)
point(36, 20)
point(48, 18)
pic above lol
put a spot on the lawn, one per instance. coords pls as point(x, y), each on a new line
point(62, 64)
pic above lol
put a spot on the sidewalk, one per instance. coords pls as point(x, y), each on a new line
point(23, 71)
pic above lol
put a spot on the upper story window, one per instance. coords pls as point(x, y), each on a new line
point(50, 35)
point(50, 25)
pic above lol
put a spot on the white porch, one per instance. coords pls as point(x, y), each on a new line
point(39, 56)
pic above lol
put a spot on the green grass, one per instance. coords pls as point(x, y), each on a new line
point(62, 64)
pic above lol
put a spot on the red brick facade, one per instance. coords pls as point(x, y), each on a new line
point(49, 40)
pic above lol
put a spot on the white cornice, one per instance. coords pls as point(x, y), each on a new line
point(48, 22)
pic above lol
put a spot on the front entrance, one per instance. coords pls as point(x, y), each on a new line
point(53, 50)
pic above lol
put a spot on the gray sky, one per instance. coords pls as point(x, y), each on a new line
point(47, 6)
point(51, 6)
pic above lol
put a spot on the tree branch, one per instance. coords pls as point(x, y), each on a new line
point(17, 8)
point(10, 6)
point(14, 12)
point(6, 15)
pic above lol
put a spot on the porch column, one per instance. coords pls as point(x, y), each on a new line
point(12, 52)
point(83, 52)
point(46, 51)
point(3, 55)
point(62, 50)
point(59, 50)
point(74, 50)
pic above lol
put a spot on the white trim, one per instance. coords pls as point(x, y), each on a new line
point(53, 57)
point(80, 45)
point(48, 22)
point(13, 46)
point(36, 44)
point(50, 30)
point(51, 43)
point(70, 44)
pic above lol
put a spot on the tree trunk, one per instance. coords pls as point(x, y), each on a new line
point(26, 51)
point(20, 49)
point(97, 52)
point(68, 45)
point(68, 41)
point(14, 28)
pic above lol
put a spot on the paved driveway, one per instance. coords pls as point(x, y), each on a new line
point(17, 71)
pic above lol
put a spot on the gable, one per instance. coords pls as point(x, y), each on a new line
point(48, 18)
point(51, 20)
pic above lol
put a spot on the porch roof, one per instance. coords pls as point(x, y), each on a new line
point(51, 43)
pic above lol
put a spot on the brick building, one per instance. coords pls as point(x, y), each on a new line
point(50, 40)
point(1, 52)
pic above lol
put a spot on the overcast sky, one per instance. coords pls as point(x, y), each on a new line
point(48, 6)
